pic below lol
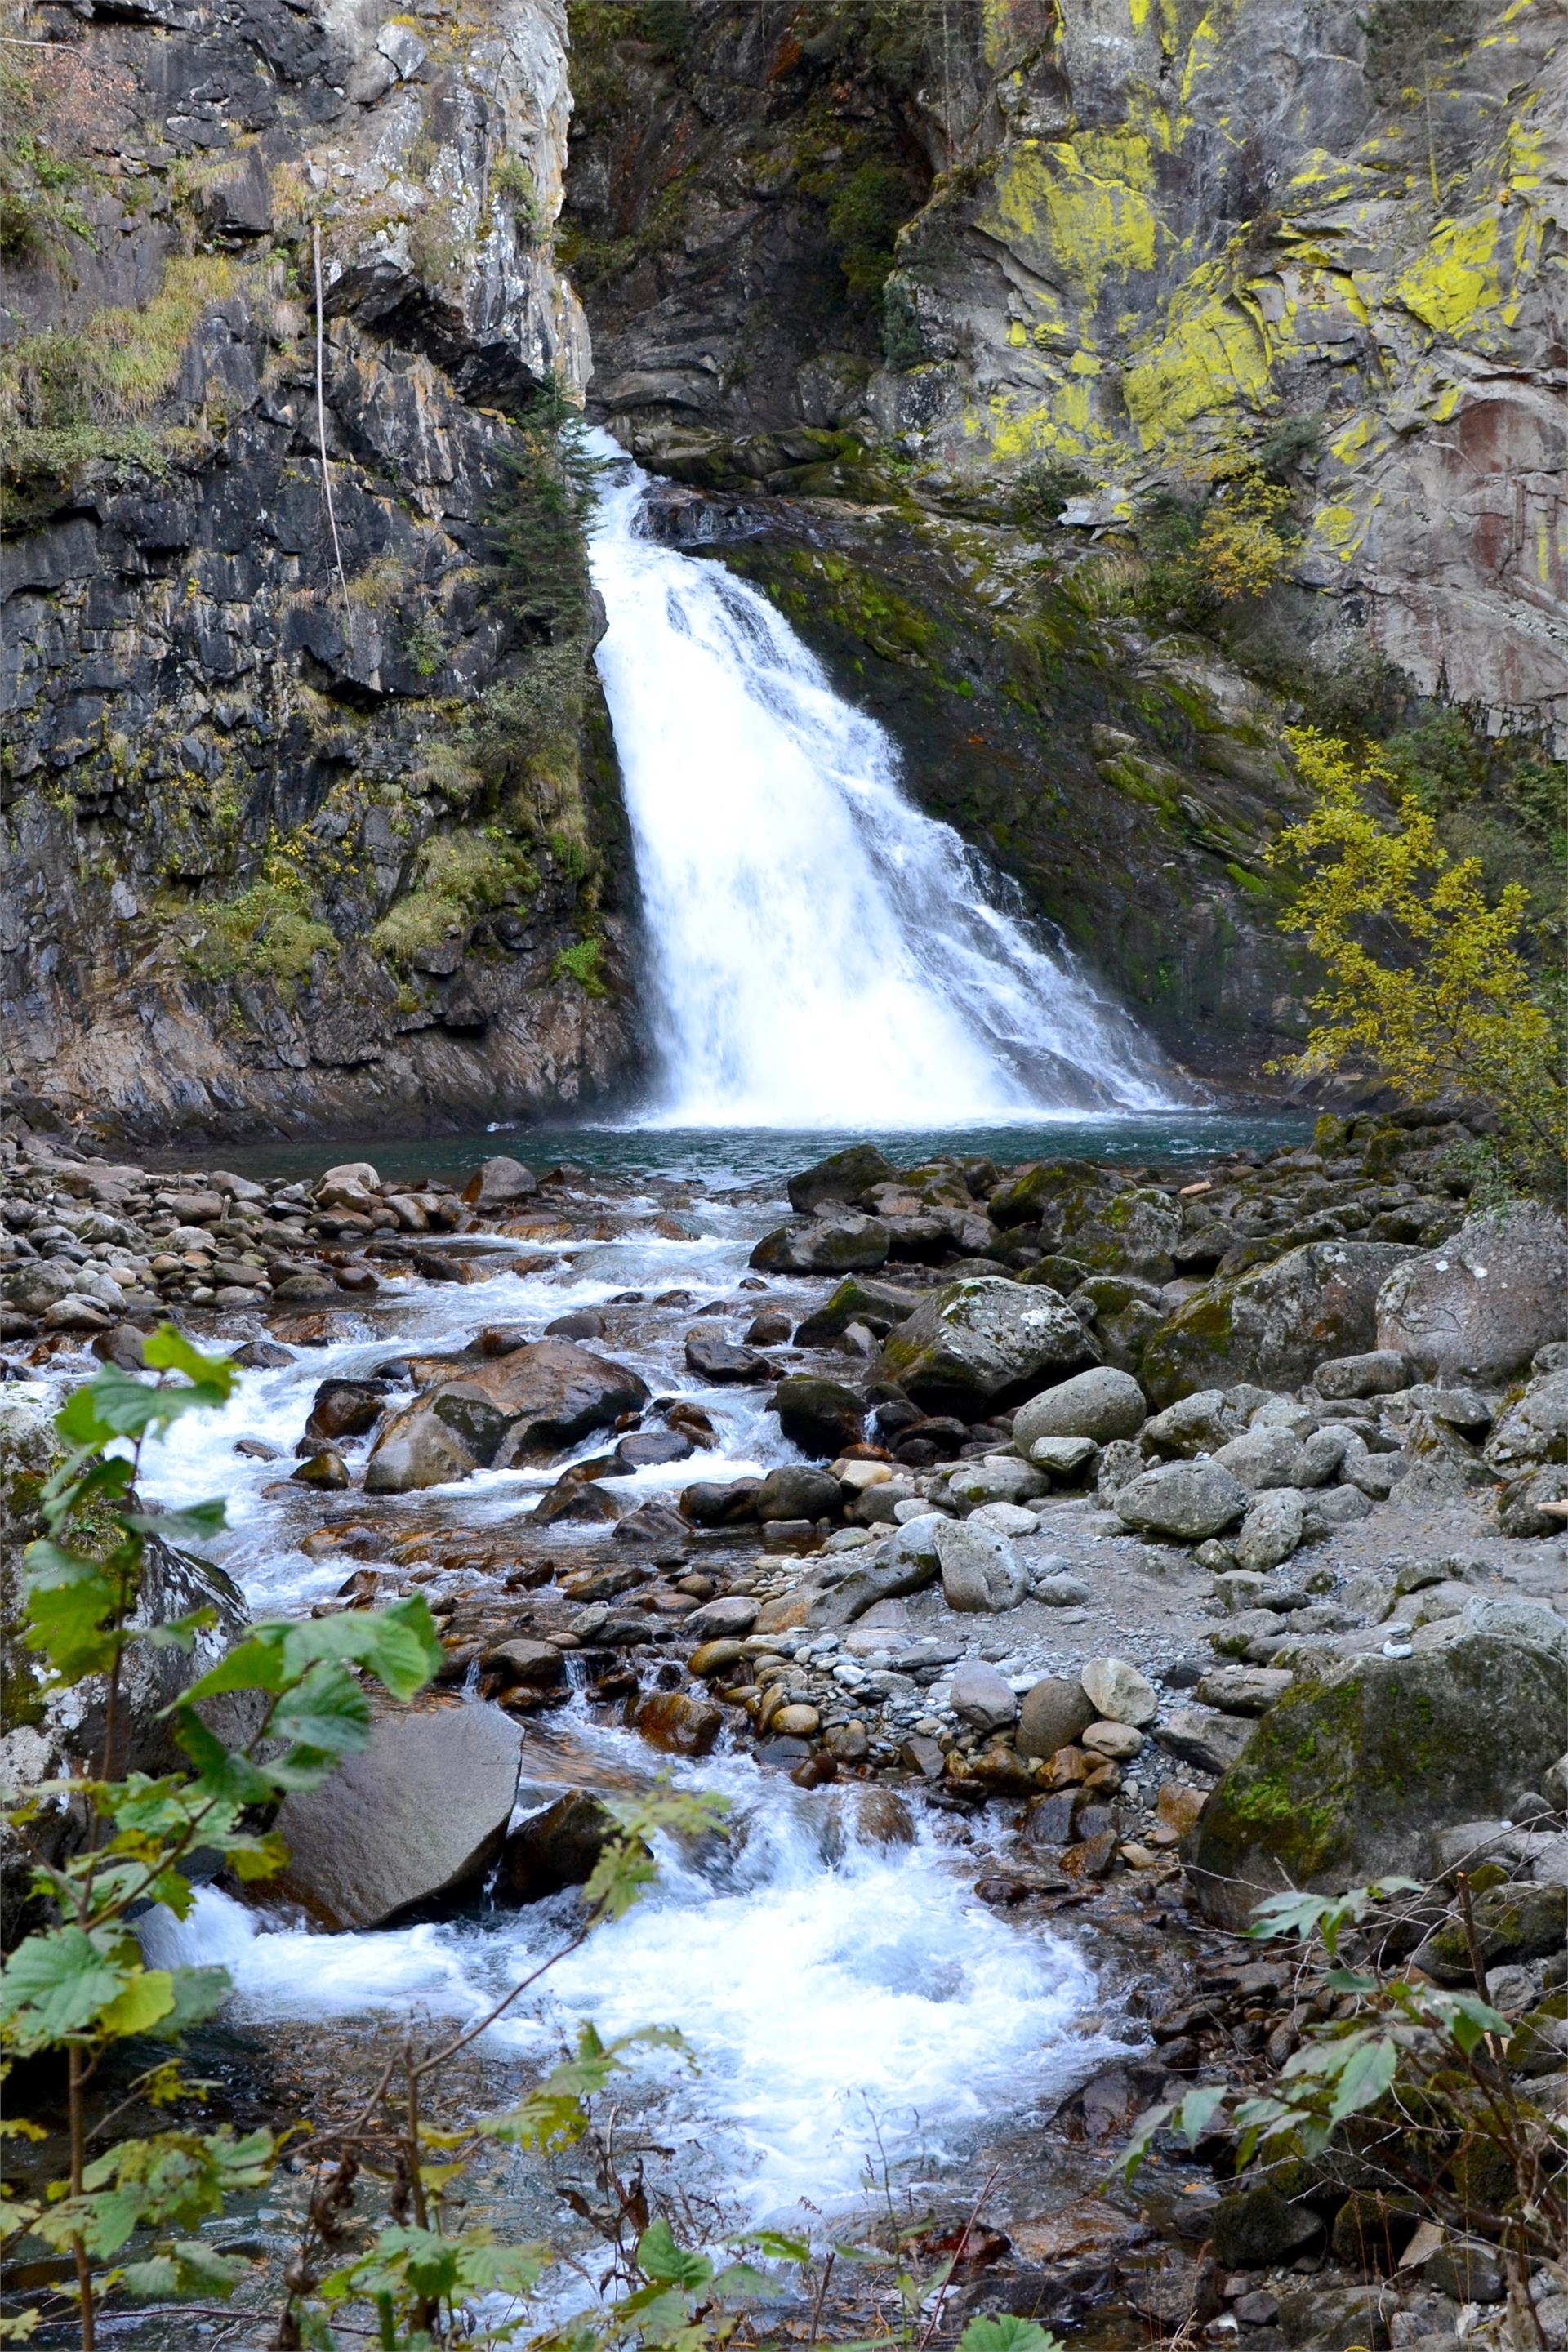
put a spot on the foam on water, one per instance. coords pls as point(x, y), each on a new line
point(835, 1994)
point(820, 952)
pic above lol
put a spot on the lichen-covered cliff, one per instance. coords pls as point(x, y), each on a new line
point(1101, 385)
point(1137, 240)
point(310, 806)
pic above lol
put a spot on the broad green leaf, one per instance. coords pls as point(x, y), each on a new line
point(1197, 2110)
point(254, 1663)
point(223, 1774)
point(1149, 2123)
point(167, 1350)
point(742, 2283)
point(69, 1598)
point(195, 1519)
point(199, 1993)
point(326, 1711)
point(55, 1984)
point(1003, 2332)
point(117, 1405)
point(774, 2246)
point(1468, 2020)
point(398, 1645)
point(189, 2268)
point(143, 2000)
point(669, 2265)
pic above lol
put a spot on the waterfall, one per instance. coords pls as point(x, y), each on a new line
point(822, 954)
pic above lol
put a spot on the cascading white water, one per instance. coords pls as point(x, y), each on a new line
point(823, 954)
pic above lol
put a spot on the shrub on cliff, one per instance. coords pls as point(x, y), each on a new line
point(1425, 978)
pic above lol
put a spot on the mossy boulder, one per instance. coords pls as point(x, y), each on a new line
point(1275, 1324)
point(984, 1342)
point(1347, 1777)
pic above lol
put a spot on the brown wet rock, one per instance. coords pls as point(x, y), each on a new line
point(680, 1725)
point(556, 1848)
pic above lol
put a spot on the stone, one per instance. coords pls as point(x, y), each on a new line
point(1120, 1741)
point(1118, 1693)
point(1120, 1463)
point(1260, 1457)
point(1209, 1742)
point(1350, 1773)
point(798, 1492)
point(524, 1660)
point(822, 1417)
point(981, 1697)
point(1187, 1500)
point(979, 1570)
point(1518, 1922)
point(325, 1470)
point(1256, 2227)
point(998, 1478)
point(1058, 1592)
point(796, 1721)
point(842, 1176)
point(1102, 1403)
point(521, 1406)
point(1271, 1531)
point(499, 1184)
point(1052, 1715)
point(558, 1847)
point(1536, 1505)
point(712, 1659)
point(1379, 1372)
point(721, 1502)
point(342, 1409)
point(732, 1613)
point(419, 1813)
point(650, 1449)
point(713, 1359)
point(1063, 1458)
point(581, 1323)
point(1275, 1324)
point(1004, 1519)
point(1479, 1306)
point(907, 1562)
point(1532, 1429)
point(1243, 1690)
point(679, 1724)
point(1198, 1423)
point(878, 1306)
point(980, 1342)
point(847, 1244)
point(1467, 2270)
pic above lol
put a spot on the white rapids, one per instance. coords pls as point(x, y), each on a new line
point(845, 2000)
point(821, 953)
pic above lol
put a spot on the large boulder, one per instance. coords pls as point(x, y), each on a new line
point(847, 1245)
point(980, 1342)
point(877, 1304)
point(1188, 1500)
point(419, 1813)
point(1478, 1307)
point(1532, 1429)
point(523, 1406)
point(822, 1417)
point(499, 1184)
point(1275, 1325)
point(558, 1847)
point(980, 1571)
point(1347, 1777)
point(1102, 1219)
point(1102, 1403)
point(842, 1176)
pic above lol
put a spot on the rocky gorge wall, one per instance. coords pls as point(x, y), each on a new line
point(310, 804)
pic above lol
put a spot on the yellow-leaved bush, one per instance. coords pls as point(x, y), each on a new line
point(1424, 980)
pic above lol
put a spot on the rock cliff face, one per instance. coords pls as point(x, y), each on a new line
point(310, 805)
point(1136, 244)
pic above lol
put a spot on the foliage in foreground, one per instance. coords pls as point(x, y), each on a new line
point(1410, 2078)
point(1426, 979)
point(131, 2221)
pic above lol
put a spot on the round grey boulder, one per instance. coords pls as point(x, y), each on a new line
point(981, 1697)
point(1271, 1531)
point(1479, 1306)
point(979, 1570)
point(1102, 1404)
point(1118, 1693)
point(1186, 1500)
